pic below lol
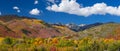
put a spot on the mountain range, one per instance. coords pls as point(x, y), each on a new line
point(20, 26)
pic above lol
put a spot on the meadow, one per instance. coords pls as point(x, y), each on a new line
point(58, 44)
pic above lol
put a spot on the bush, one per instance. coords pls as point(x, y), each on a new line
point(8, 41)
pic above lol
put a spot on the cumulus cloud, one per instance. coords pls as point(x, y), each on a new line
point(16, 8)
point(36, 2)
point(72, 7)
point(35, 11)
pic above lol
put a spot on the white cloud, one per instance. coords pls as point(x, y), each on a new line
point(52, 1)
point(18, 11)
point(72, 7)
point(16, 8)
point(0, 13)
point(35, 11)
point(36, 2)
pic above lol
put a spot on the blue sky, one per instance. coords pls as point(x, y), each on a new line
point(37, 9)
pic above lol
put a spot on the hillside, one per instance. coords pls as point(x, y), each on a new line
point(28, 34)
point(7, 18)
point(21, 26)
point(18, 26)
point(105, 31)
